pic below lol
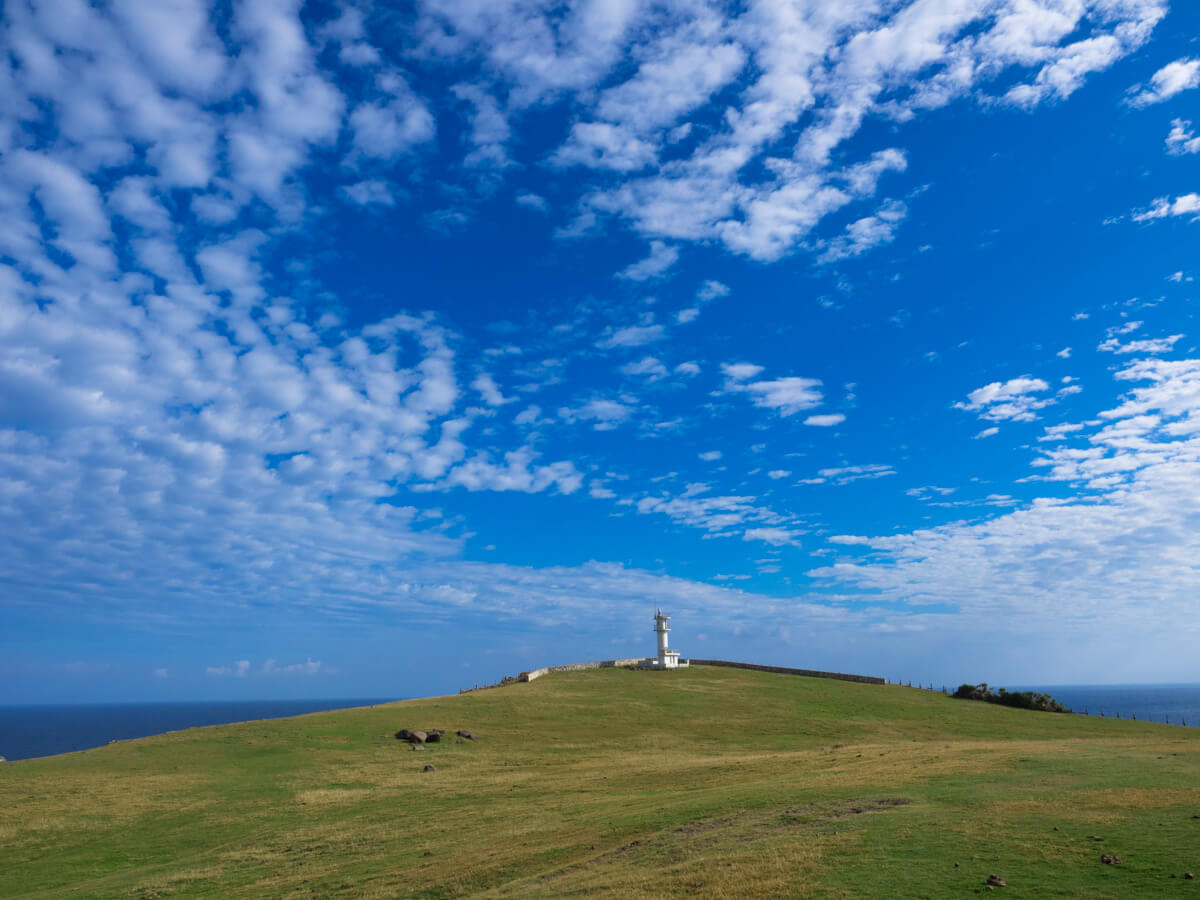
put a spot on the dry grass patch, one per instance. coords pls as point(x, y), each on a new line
point(173, 883)
point(332, 796)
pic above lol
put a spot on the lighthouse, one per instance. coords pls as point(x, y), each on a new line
point(667, 658)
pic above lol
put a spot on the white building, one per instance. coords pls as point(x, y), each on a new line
point(667, 658)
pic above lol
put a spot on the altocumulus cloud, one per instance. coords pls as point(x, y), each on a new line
point(183, 426)
point(1127, 545)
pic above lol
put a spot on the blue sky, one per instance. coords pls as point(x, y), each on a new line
point(363, 350)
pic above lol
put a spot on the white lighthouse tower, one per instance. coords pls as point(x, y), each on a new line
point(667, 658)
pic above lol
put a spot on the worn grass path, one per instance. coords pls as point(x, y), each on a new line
point(613, 783)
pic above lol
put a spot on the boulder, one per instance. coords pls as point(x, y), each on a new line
point(996, 881)
point(1189, 875)
point(429, 767)
point(413, 737)
point(469, 735)
point(1110, 860)
point(434, 735)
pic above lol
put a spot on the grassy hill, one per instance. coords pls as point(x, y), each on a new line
point(706, 782)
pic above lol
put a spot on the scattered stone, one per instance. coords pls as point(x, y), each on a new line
point(1095, 837)
point(956, 865)
point(429, 767)
point(996, 881)
point(416, 747)
point(1189, 875)
point(413, 737)
point(469, 735)
point(459, 741)
point(1110, 860)
point(434, 735)
point(1056, 828)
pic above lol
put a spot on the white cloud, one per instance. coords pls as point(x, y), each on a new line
point(598, 491)
point(813, 81)
point(531, 415)
point(1010, 400)
point(683, 73)
point(599, 145)
point(710, 455)
point(776, 474)
point(776, 537)
point(866, 233)
point(1171, 79)
point(661, 258)
point(239, 669)
point(206, 431)
point(1059, 432)
point(389, 127)
point(712, 290)
point(160, 673)
point(1150, 346)
point(490, 131)
point(1181, 139)
point(721, 516)
point(369, 193)
point(847, 474)
point(647, 367)
point(740, 371)
point(1163, 207)
point(709, 291)
point(787, 395)
point(604, 414)
point(1127, 544)
point(308, 667)
point(825, 421)
point(631, 336)
point(516, 473)
point(533, 201)
point(486, 386)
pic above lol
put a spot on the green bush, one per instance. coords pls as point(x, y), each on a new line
point(1019, 699)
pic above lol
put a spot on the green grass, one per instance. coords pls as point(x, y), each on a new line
point(703, 782)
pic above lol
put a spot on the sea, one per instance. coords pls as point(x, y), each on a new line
point(30, 731)
point(1174, 704)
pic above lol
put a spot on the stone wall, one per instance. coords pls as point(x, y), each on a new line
point(576, 667)
point(616, 663)
point(811, 673)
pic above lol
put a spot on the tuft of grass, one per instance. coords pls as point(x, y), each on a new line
point(702, 782)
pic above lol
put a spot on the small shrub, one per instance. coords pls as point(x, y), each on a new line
point(1018, 699)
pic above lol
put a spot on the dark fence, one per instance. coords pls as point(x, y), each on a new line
point(784, 670)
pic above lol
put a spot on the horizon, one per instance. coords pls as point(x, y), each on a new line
point(344, 346)
point(378, 700)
